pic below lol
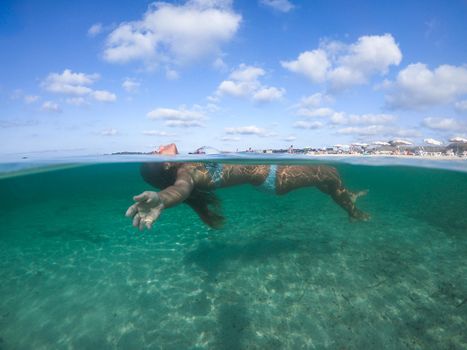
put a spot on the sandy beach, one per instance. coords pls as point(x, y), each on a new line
point(395, 156)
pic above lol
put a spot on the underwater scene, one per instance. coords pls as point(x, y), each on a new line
point(378, 262)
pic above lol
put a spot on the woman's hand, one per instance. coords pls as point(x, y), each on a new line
point(146, 210)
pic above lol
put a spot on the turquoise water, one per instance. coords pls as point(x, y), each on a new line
point(285, 272)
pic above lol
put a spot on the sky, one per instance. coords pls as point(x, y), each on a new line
point(94, 77)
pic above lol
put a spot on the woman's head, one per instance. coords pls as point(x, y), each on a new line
point(159, 174)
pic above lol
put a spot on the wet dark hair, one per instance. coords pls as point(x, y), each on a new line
point(205, 203)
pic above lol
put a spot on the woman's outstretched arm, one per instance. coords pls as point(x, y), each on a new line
point(149, 204)
point(179, 191)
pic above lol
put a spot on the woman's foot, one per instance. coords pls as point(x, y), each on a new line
point(359, 215)
point(355, 195)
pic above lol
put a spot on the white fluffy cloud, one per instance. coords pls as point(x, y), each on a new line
point(419, 87)
point(69, 83)
point(268, 94)
point(312, 64)
point(279, 5)
point(371, 118)
point(104, 96)
point(343, 65)
point(228, 87)
point(76, 84)
point(179, 117)
point(349, 124)
point(244, 82)
point(245, 130)
point(175, 33)
point(175, 114)
point(19, 94)
point(361, 119)
point(443, 124)
point(249, 130)
point(316, 112)
point(311, 107)
point(131, 85)
point(338, 118)
point(50, 106)
point(306, 124)
point(247, 73)
point(314, 100)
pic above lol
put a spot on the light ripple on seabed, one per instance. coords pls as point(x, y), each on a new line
point(285, 272)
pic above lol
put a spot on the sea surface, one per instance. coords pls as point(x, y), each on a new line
point(285, 272)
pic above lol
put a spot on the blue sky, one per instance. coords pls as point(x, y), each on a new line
point(101, 76)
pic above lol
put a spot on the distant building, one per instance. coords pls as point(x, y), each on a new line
point(458, 148)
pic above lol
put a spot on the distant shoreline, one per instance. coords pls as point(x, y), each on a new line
point(317, 155)
point(398, 156)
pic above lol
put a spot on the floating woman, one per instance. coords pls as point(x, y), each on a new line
point(194, 184)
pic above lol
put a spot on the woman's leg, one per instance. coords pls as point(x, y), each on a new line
point(326, 179)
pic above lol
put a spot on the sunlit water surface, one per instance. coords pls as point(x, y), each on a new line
point(285, 272)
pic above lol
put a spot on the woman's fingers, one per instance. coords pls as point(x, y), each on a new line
point(136, 220)
point(149, 224)
point(147, 197)
point(143, 223)
point(146, 222)
point(141, 197)
point(132, 210)
point(149, 220)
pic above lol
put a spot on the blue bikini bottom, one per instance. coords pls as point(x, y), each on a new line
point(215, 171)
